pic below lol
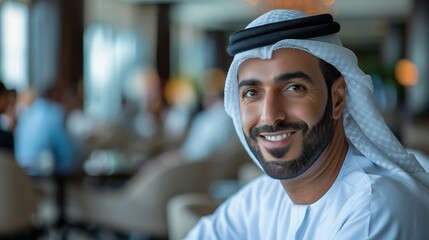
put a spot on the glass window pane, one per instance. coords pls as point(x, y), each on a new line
point(14, 44)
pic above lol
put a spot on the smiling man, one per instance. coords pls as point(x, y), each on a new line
point(303, 111)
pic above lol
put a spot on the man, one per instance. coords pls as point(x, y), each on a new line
point(303, 110)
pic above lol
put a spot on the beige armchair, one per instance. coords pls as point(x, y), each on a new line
point(140, 206)
point(185, 210)
point(18, 201)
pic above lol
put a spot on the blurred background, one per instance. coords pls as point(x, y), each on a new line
point(130, 80)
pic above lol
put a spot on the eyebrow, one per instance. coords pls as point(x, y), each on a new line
point(280, 78)
point(292, 75)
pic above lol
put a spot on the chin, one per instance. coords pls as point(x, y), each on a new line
point(281, 168)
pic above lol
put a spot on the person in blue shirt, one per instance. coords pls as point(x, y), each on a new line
point(42, 143)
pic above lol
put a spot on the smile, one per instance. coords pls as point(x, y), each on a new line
point(278, 137)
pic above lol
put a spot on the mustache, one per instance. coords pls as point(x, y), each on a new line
point(280, 126)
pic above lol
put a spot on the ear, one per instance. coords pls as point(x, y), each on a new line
point(338, 92)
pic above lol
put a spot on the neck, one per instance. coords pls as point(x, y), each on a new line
point(316, 181)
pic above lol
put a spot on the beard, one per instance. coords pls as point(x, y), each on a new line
point(315, 141)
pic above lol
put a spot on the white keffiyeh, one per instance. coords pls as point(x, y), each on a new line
point(364, 126)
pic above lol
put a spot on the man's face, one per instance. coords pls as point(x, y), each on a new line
point(285, 112)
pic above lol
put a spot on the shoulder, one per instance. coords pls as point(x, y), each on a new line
point(364, 181)
point(238, 217)
point(360, 174)
point(381, 204)
point(400, 196)
point(394, 207)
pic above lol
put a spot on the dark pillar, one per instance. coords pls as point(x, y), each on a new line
point(221, 59)
point(71, 42)
point(163, 42)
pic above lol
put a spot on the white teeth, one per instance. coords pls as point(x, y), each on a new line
point(278, 137)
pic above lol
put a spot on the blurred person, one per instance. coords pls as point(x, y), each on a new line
point(111, 145)
point(148, 120)
point(304, 111)
point(182, 103)
point(43, 145)
point(211, 131)
point(8, 118)
point(141, 104)
point(42, 142)
point(6, 136)
point(139, 118)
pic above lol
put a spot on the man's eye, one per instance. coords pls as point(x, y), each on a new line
point(250, 93)
point(295, 88)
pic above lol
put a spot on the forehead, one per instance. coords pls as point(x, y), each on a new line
point(282, 59)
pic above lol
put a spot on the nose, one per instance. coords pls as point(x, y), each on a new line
point(273, 109)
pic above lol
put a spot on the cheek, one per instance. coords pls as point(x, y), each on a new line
point(311, 112)
point(249, 117)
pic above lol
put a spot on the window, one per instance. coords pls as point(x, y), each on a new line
point(110, 56)
point(14, 44)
